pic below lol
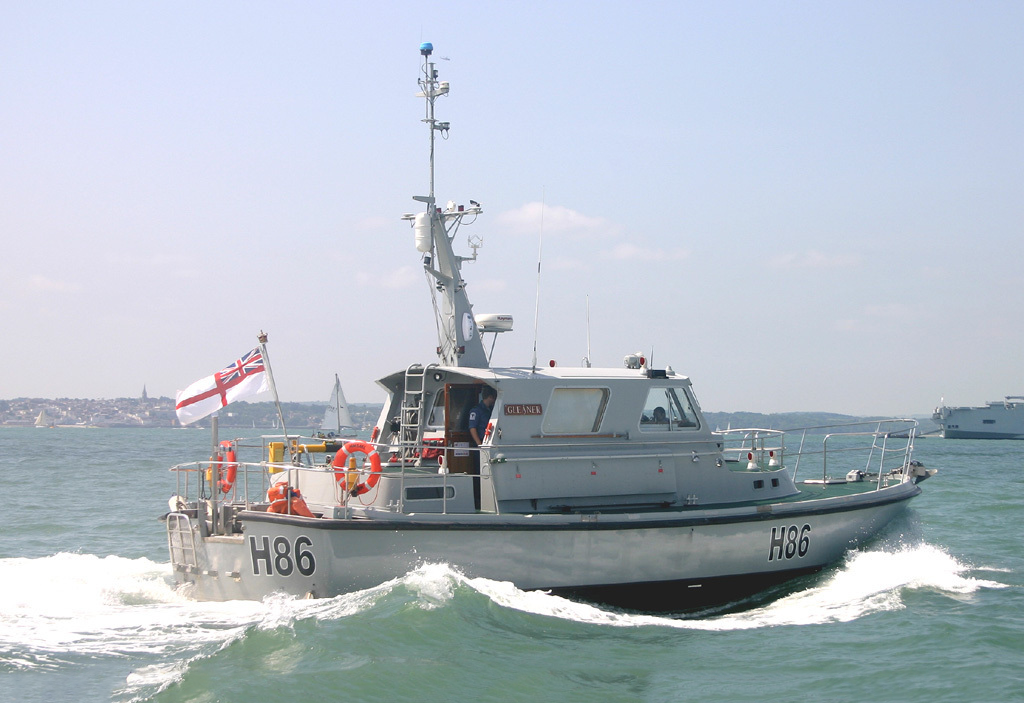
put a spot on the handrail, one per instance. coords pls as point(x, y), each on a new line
point(902, 420)
point(766, 451)
point(884, 429)
point(242, 491)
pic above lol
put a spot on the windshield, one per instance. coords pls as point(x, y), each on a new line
point(667, 409)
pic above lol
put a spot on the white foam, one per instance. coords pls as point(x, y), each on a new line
point(433, 583)
point(155, 676)
point(59, 607)
point(73, 606)
point(870, 582)
point(865, 583)
point(67, 601)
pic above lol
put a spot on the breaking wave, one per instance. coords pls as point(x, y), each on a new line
point(69, 609)
point(865, 583)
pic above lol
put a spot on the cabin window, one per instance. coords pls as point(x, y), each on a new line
point(435, 420)
point(575, 411)
point(667, 409)
point(988, 422)
point(429, 492)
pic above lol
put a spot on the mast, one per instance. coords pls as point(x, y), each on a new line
point(337, 402)
point(459, 342)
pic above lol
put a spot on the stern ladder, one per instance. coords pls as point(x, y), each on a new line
point(181, 543)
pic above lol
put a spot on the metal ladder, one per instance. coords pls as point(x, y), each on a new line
point(181, 543)
point(412, 412)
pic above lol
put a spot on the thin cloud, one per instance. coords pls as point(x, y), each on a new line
point(563, 263)
point(873, 317)
point(149, 261)
point(42, 284)
point(399, 278)
point(627, 251)
point(556, 220)
point(490, 285)
point(815, 260)
point(846, 325)
point(889, 311)
point(373, 224)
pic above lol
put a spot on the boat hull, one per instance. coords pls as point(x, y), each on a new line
point(678, 559)
point(979, 434)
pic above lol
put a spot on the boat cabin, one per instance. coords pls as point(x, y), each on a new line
point(558, 440)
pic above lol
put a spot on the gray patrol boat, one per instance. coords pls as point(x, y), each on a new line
point(604, 484)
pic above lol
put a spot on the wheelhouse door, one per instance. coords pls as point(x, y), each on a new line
point(459, 400)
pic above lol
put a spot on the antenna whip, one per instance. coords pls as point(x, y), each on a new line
point(540, 256)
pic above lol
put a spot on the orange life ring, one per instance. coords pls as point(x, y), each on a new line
point(340, 463)
point(230, 469)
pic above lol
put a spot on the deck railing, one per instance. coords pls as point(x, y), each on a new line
point(877, 449)
point(882, 447)
point(199, 480)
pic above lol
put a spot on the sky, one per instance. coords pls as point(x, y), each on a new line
point(802, 206)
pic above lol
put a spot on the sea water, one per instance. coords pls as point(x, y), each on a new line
point(933, 610)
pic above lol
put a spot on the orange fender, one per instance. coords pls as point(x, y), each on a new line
point(278, 496)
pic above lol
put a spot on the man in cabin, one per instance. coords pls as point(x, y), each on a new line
point(479, 416)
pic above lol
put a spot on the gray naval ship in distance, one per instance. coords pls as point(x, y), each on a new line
point(605, 484)
point(1000, 419)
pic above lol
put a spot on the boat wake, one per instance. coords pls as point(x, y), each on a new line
point(71, 609)
point(76, 604)
point(864, 583)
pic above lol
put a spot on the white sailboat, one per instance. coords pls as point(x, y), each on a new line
point(337, 420)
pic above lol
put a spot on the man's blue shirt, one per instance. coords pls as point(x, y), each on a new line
point(479, 416)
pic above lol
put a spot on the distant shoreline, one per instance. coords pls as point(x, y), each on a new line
point(144, 412)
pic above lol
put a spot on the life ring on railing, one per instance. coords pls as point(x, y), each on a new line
point(340, 464)
point(228, 466)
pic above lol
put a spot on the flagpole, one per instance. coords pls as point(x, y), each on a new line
point(273, 388)
point(215, 469)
